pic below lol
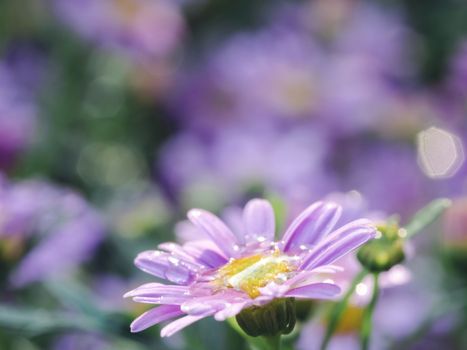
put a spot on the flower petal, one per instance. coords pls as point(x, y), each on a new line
point(341, 248)
point(219, 233)
point(259, 221)
point(211, 303)
point(274, 290)
point(162, 300)
point(202, 252)
point(157, 290)
point(328, 269)
point(315, 291)
point(339, 243)
point(185, 231)
point(179, 252)
point(312, 224)
point(230, 311)
point(233, 218)
point(179, 324)
point(161, 265)
point(154, 316)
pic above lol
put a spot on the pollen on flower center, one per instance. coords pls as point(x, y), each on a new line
point(251, 273)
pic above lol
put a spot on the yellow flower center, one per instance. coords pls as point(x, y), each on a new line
point(251, 273)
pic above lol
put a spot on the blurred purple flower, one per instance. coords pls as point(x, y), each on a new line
point(82, 341)
point(417, 304)
point(350, 27)
point(283, 73)
point(217, 273)
point(140, 28)
point(457, 77)
point(17, 116)
point(69, 229)
point(380, 35)
point(273, 73)
point(28, 64)
point(355, 96)
point(225, 165)
point(388, 176)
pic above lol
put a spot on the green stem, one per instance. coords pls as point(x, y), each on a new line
point(368, 314)
point(274, 342)
point(339, 308)
point(254, 343)
point(426, 216)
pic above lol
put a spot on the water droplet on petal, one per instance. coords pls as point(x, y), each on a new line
point(174, 261)
point(178, 275)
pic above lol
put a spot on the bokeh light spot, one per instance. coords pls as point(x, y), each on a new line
point(440, 152)
point(361, 289)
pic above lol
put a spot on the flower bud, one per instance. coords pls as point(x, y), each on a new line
point(385, 251)
point(304, 308)
point(277, 317)
point(454, 242)
point(455, 226)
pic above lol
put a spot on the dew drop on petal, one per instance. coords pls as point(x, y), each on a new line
point(178, 276)
point(174, 261)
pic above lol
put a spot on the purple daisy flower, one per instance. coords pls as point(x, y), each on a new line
point(61, 220)
point(372, 169)
point(139, 28)
point(221, 272)
point(271, 74)
point(358, 27)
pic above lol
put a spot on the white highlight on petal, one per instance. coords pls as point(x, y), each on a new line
point(440, 152)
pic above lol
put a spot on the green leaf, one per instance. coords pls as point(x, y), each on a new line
point(426, 216)
point(37, 321)
point(71, 294)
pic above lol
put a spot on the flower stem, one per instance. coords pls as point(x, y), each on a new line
point(426, 216)
point(339, 308)
point(274, 342)
point(368, 314)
